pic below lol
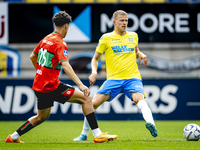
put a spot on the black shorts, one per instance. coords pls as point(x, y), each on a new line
point(61, 95)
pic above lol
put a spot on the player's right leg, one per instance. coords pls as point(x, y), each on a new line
point(97, 101)
point(88, 111)
point(103, 94)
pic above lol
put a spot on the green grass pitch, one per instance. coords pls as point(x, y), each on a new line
point(132, 135)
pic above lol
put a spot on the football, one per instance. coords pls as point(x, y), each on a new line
point(191, 132)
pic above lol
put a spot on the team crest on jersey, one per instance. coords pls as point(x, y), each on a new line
point(130, 39)
point(65, 53)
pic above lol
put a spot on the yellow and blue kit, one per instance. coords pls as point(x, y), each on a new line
point(121, 65)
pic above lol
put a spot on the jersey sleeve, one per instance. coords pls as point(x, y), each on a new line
point(101, 47)
point(37, 48)
point(62, 53)
point(136, 39)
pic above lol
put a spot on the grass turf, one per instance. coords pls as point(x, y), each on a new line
point(59, 135)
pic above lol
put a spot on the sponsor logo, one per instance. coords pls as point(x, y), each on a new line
point(116, 41)
point(65, 53)
point(68, 92)
point(177, 23)
point(47, 42)
point(138, 87)
point(80, 27)
point(11, 102)
point(39, 72)
point(122, 49)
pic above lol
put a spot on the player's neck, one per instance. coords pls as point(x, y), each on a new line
point(60, 31)
point(120, 33)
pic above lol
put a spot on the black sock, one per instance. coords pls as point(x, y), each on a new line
point(91, 118)
point(27, 126)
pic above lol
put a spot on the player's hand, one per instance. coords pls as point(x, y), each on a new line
point(85, 90)
point(144, 58)
point(92, 78)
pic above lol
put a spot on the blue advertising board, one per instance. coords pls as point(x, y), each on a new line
point(169, 99)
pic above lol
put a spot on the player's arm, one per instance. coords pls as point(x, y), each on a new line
point(141, 56)
point(94, 65)
point(33, 58)
point(70, 72)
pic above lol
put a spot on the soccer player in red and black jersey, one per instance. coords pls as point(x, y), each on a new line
point(49, 55)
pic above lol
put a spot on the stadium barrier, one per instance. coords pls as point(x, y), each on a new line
point(169, 99)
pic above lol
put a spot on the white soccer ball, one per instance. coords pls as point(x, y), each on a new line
point(191, 132)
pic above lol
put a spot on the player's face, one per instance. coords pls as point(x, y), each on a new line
point(66, 29)
point(121, 23)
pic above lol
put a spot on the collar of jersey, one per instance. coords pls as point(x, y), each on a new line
point(56, 32)
point(118, 34)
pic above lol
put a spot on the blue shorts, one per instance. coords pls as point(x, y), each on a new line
point(114, 87)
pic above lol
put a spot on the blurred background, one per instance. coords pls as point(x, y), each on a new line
point(169, 34)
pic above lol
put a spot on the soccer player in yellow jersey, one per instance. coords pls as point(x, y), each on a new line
point(121, 51)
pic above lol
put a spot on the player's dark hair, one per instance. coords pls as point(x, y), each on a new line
point(61, 18)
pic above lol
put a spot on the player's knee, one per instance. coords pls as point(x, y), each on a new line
point(137, 97)
point(95, 104)
point(88, 100)
point(95, 107)
point(136, 101)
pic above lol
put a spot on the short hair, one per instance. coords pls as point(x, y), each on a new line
point(118, 12)
point(61, 18)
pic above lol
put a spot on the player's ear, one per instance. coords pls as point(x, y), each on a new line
point(114, 22)
point(66, 26)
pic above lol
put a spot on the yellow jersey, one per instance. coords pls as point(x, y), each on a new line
point(120, 55)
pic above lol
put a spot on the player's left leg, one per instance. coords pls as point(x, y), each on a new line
point(32, 122)
point(138, 98)
point(133, 88)
point(45, 102)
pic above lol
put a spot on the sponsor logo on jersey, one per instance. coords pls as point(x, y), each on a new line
point(122, 49)
point(115, 39)
point(47, 42)
point(39, 71)
point(65, 53)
